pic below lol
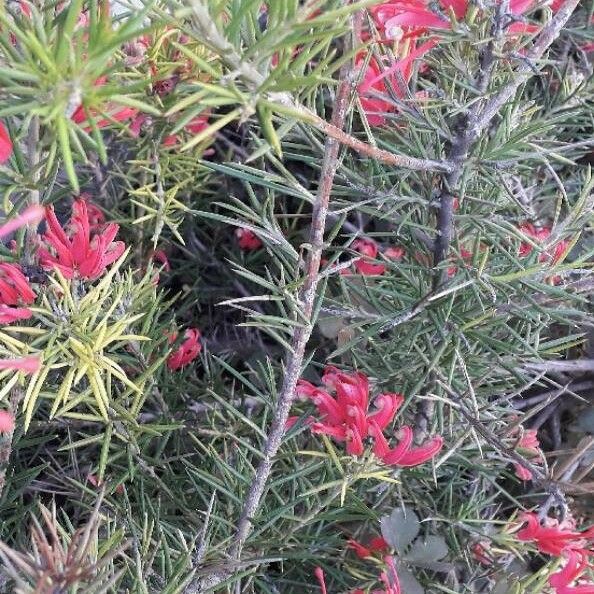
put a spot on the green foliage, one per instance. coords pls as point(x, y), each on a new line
point(175, 452)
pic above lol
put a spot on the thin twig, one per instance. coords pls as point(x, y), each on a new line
point(469, 127)
point(210, 35)
point(16, 396)
point(294, 363)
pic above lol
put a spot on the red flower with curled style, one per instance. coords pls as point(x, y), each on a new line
point(188, 350)
point(365, 265)
point(15, 291)
point(553, 538)
point(247, 240)
point(5, 144)
point(410, 19)
point(346, 418)
point(373, 84)
point(79, 253)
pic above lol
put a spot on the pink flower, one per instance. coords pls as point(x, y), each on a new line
point(187, 351)
point(31, 215)
point(365, 266)
point(8, 315)
point(6, 422)
point(5, 144)
point(78, 253)
point(523, 473)
point(29, 365)
point(14, 291)
point(247, 239)
point(345, 417)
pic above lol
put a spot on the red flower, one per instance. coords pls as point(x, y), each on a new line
point(6, 422)
point(373, 84)
point(403, 454)
point(194, 127)
point(552, 539)
point(480, 553)
point(96, 216)
point(119, 114)
point(365, 265)
point(5, 144)
point(346, 418)
point(376, 545)
point(187, 351)
point(14, 291)
point(247, 239)
point(540, 235)
point(78, 253)
point(577, 564)
point(465, 255)
point(415, 18)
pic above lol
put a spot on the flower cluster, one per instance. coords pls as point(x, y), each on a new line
point(562, 540)
point(79, 252)
point(346, 418)
point(403, 24)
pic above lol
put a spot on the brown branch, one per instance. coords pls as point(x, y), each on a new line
point(240, 68)
point(301, 335)
point(472, 124)
point(469, 127)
